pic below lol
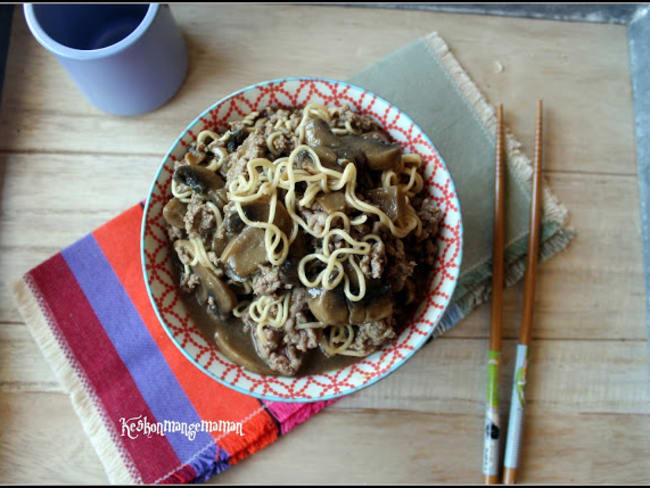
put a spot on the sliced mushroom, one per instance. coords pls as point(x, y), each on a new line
point(329, 307)
point(173, 213)
point(258, 211)
point(390, 200)
point(375, 135)
point(379, 155)
point(233, 222)
point(237, 345)
point(219, 243)
point(200, 179)
point(245, 251)
point(289, 268)
point(212, 286)
point(221, 196)
point(194, 156)
point(332, 202)
point(318, 133)
point(326, 156)
point(377, 304)
point(349, 149)
point(236, 138)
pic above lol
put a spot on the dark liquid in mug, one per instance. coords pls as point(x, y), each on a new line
point(88, 27)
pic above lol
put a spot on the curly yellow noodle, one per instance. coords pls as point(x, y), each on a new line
point(260, 312)
point(185, 196)
point(263, 178)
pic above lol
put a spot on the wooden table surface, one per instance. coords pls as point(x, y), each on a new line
point(66, 167)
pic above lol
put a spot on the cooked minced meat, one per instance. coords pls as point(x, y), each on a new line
point(254, 237)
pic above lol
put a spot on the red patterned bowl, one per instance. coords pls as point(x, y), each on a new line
point(163, 290)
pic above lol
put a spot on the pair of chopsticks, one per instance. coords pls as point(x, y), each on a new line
point(492, 423)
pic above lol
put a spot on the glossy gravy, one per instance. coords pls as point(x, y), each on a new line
point(230, 338)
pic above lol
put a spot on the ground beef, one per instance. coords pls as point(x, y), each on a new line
point(410, 292)
point(174, 233)
point(189, 282)
point(372, 265)
point(315, 219)
point(427, 252)
point(285, 143)
point(254, 146)
point(430, 216)
point(400, 267)
point(276, 115)
point(285, 359)
point(183, 255)
point(267, 280)
point(199, 219)
point(284, 349)
point(370, 336)
point(303, 339)
point(363, 123)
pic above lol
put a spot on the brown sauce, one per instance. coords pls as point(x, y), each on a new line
point(228, 335)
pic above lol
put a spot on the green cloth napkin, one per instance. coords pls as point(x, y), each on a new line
point(426, 81)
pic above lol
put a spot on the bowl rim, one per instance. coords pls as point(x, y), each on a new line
point(398, 364)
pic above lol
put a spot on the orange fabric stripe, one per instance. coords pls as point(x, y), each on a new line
point(119, 239)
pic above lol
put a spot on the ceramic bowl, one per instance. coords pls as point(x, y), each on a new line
point(157, 253)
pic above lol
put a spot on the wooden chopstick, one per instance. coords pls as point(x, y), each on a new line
point(511, 458)
point(492, 423)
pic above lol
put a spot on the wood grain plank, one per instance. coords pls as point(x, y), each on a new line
point(595, 288)
point(582, 449)
point(386, 447)
point(42, 441)
point(446, 376)
point(581, 71)
point(22, 365)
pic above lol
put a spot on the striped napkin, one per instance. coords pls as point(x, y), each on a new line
point(150, 414)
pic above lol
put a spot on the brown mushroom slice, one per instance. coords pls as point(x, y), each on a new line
point(173, 213)
point(326, 156)
point(379, 155)
point(318, 133)
point(219, 243)
point(350, 148)
point(258, 211)
point(212, 286)
point(376, 305)
point(289, 268)
point(329, 307)
point(220, 196)
point(200, 179)
point(332, 202)
point(245, 251)
point(236, 139)
point(375, 135)
point(391, 200)
point(193, 156)
point(237, 345)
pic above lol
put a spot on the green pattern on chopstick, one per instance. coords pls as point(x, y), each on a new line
point(493, 378)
